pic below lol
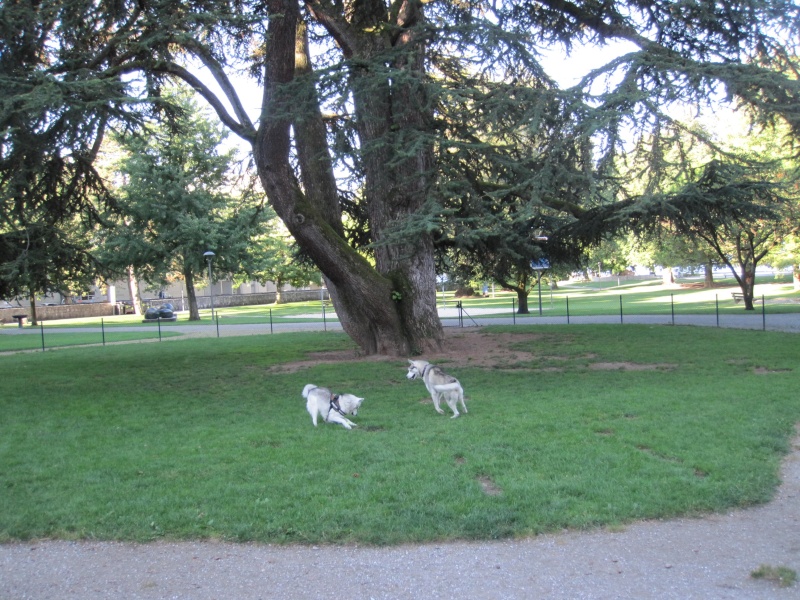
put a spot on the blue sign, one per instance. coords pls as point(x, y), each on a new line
point(540, 264)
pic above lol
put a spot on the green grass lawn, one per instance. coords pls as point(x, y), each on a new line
point(33, 341)
point(579, 298)
point(646, 297)
point(295, 312)
point(205, 438)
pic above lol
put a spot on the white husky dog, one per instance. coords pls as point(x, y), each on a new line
point(440, 385)
point(331, 407)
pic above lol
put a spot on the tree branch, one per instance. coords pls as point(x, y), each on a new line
point(245, 130)
point(213, 65)
point(338, 29)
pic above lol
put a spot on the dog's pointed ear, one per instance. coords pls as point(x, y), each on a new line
point(411, 362)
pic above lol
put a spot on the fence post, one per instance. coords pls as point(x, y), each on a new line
point(270, 321)
point(763, 314)
point(41, 326)
point(217, 317)
point(103, 330)
point(159, 328)
point(716, 303)
point(324, 321)
point(620, 309)
point(567, 310)
point(672, 307)
point(513, 311)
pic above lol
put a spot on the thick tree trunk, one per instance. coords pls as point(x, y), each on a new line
point(522, 288)
point(747, 284)
point(191, 293)
point(398, 163)
point(34, 319)
point(388, 308)
point(709, 278)
point(522, 302)
point(133, 291)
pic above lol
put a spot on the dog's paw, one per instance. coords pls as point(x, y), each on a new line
point(455, 416)
point(440, 411)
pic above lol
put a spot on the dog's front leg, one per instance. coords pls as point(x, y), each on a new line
point(335, 417)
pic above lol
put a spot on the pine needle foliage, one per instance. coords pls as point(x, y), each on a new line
point(435, 121)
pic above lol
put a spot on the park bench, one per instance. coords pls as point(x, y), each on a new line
point(20, 319)
point(739, 296)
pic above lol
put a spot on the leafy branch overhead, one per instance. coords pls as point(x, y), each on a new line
point(386, 134)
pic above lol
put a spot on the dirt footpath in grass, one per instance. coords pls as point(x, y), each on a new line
point(709, 558)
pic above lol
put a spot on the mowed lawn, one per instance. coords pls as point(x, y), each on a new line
point(573, 427)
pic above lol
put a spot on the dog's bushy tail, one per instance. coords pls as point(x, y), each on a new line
point(307, 390)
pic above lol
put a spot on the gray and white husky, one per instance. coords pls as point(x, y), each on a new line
point(331, 407)
point(440, 385)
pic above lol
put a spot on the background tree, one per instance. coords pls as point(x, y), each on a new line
point(505, 182)
point(787, 255)
point(61, 88)
point(381, 71)
point(663, 248)
point(177, 202)
point(503, 258)
point(274, 256)
point(42, 258)
point(738, 211)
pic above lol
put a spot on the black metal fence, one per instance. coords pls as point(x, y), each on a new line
point(41, 337)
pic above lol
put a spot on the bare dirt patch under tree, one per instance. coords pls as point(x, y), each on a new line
point(474, 347)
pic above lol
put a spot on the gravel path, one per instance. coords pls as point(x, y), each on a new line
point(709, 558)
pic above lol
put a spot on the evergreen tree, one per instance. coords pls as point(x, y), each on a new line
point(176, 202)
point(371, 99)
point(61, 88)
point(741, 212)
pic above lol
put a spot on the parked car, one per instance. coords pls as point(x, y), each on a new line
point(165, 311)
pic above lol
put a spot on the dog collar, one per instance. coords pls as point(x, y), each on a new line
point(335, 404)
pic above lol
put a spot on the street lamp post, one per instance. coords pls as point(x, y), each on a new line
point(209, 256)
point(539, 266)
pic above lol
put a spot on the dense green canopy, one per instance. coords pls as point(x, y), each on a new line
point(389, 126)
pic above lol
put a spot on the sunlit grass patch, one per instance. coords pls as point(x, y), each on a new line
point(783, 576)
point(208, 438)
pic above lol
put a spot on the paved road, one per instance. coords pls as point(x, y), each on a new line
point(769, 322)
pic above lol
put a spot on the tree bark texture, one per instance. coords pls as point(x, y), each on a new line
point(708, 281)
point(133, 291)
point(388, 307)
point(191, 293)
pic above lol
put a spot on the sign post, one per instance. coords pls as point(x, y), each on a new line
point(538, 266)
